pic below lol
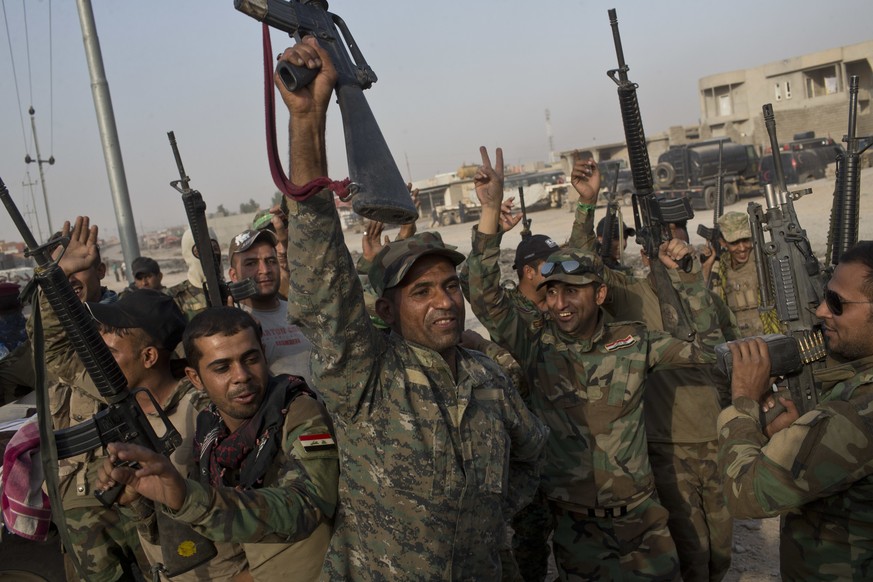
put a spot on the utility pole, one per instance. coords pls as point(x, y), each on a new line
point(109, 136)
point(30, 184)
point(549, 135)
point(39, 162)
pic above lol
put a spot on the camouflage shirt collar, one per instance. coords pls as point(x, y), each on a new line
point(561, 341)
point(839, 381)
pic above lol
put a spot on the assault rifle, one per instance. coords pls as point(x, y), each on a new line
point(378, 191)
point(713, 235)
point(843, 232)
point(215, 288)
point(123, 420)
point(525, 221)
point(790, 277)
point(610, 224)
point(652, 217)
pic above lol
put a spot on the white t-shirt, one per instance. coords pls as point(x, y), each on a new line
point(287, 349)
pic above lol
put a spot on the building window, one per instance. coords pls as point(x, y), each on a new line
point(724, 105)
point(823, 81)
point(778, 91)
point(788, 89)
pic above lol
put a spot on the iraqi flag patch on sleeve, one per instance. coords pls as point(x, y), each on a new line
point(317, 442)
point(621, 343)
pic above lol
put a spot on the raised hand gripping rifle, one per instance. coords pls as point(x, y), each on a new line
point(843, 232)
point(377, 189)
point(652, 217)
point(123, 420)
point(790, 277)
point(215, 288)
point(713, 235)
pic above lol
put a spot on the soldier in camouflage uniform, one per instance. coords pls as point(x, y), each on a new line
point(586, 377)
point(188, 294)
point(681, 409)
point(265, 457)
point(107, 540)
point(817, 471)
point(735, 279)
point(437, 447)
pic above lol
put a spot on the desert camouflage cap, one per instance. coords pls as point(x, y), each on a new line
point(396, 258)
point(573, 266)
point(734, 226)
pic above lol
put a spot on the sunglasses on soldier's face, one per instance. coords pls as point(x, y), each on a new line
point(570, 267)
point(835, 302)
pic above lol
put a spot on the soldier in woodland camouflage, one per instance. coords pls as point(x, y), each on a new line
point(816, 471)
point(586, 377)
point(681, 410)
point(734, 277)
point(265, 460)
point(437, 447)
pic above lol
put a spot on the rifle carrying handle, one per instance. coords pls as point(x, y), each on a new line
point(294, 77)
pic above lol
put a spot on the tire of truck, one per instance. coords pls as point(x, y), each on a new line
point(456, 217)
point(731, 194)
point(709, 197)
point(664, 174)
point(446, 218)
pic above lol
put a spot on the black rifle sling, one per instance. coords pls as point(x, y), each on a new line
point(48, 449)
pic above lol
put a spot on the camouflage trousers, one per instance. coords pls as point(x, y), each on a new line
point(106, 544)
point(635, 546)
point(690, 488)
point(532, 527)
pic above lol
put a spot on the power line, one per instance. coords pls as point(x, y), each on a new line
point(27, 50)
point(15, 78)
point(51, 85)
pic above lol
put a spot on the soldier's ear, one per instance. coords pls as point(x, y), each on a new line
point(386, 311)
point(149, 356)
point(600, 294)
point(194, 377)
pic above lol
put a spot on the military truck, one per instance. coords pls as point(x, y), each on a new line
point(690, 171)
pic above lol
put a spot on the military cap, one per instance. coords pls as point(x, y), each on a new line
point(244, 240)
point(734, 226)
point(573, 266)
point(396, 258)
point(144, 265)
point(532, 248)
point(152, 311)
point(263, 220)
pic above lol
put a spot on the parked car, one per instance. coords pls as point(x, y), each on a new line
point(798, 166)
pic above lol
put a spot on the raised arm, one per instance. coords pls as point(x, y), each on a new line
point(325, 297)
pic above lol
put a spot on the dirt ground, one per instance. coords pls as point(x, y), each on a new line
point(756, 549)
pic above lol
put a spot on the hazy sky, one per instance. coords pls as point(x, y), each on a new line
point(452, 75)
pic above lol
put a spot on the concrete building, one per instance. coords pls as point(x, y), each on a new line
point(808, 93)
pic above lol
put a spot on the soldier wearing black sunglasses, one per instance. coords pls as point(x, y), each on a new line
point(815, 470)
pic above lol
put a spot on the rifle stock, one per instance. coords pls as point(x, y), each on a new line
point(651, 226)
point(378, 190)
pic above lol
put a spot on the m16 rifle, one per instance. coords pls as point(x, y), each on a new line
point(123, 419)
point(843, 232)
point(610, 223)
point(790, 277)
point(215, 288)
point(525, 221)
point(377, 189)
point(713, 235)
point(652, 217)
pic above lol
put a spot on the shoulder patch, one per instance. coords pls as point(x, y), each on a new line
point(317, 442)
point(620, 343)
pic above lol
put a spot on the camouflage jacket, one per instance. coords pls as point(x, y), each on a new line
point(431, 465)
point(588, 391)
point(681, 404)
point(189, 298)
point(284, 526)
point(817, 473)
